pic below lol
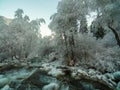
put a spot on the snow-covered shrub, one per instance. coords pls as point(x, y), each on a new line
point(108, 60)
point(86, 48)
point(108, 40)
point(46, 46)
point(91, 54)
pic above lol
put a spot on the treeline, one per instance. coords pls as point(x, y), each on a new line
point(73, 41)
point(21, 38)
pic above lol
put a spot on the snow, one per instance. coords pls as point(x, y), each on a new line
point(51, 86)
point(56, 72)
point(52, 70)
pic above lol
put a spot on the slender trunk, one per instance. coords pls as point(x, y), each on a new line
point(115, 34)
point(71, 56)
point(65, 39)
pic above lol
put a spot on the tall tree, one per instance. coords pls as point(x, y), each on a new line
point(21, 38)
point(65, 25)
point(108, 16)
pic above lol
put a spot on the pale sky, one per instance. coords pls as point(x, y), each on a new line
point(33, 8)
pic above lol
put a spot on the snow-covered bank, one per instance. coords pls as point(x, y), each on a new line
point(108, 80)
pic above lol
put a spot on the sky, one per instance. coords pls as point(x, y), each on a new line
point(33, 8)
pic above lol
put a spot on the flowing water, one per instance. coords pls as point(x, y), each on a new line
point(34, 79)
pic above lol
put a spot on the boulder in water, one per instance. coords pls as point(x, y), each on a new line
point(6, 87)
point(3, 82)
point(118, 86)
point(116, 75)
point(51, 86)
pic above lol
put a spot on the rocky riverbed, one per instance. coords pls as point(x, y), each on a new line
point(49, 76)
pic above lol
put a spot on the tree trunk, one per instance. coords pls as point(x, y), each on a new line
point(115, 34)
point(71, 57)
point(72, 61)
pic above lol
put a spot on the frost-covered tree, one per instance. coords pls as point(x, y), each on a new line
point(27, 34)
point(65, 27)
point(19, 13)
point(26, 18)
point(35, 24)
point(20, 38)
point(69, 20)
point(107, 18)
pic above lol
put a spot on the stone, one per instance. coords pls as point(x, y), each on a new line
point(4, 81)
point(51, 86)
point(6, 87)
point(118, 86)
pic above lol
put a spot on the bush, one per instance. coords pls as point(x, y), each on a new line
point(86, 48)
point(107, 61)
point(108, 40)
point(91, 54)
point(46, 46)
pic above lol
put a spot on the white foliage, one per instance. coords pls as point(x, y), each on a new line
point(86, 47)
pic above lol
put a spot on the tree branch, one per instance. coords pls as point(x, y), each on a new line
point(115, 34)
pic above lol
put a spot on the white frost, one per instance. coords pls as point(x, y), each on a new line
point(56, 72)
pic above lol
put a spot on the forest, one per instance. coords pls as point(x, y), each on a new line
point(82, 53)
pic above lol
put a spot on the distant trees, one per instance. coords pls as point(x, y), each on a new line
point(19, 13)
point(20, 39)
